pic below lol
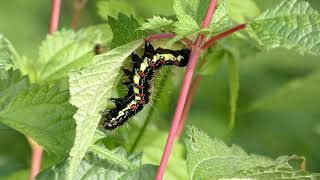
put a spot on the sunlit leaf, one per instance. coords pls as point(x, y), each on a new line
point(89, 89)
point(293, 24)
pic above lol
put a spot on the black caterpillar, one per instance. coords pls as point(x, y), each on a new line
point(141, 83)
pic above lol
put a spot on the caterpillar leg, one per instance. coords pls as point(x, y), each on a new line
point(117, 101)
point(148, 48)
point(127, 71)
point(104, 112)
point(135, 58)
point(127, 83)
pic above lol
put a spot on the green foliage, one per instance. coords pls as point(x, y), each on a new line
point(40, 112)
point(242, 11)
point(124, 30)
point(8, 55)
point(156, 23)
point(221, 19)
point(102, 163)
point(112, 8)
point(66, 51)
point(152, 144)
point(234, 91)
point(298, 95)
point(89, 89)
point(293, 24)
point(212, 159)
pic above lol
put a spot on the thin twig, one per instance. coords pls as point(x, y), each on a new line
point(194, 56)
point(36, 149)
point(222, 35)
point(77, 7)
point(162, 36)
point(55, 14)
point(193, 89)
point(36, 158)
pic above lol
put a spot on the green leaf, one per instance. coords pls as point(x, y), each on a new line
point(39, 112)
point(202, 10)
point(152, 144)
point(298, 95)
point(124, 30)
point(212, 159)
point(221, 19)
point(156, 23)
point(234, 86)
point(11, 84)
point(66, 50)
point(275, 173)
point(229, 48)
point(186, 23)
point(90, 88)
point(8, 55)
point(104, 164)
point(111, 156)
point(241, 11)
point(293, 24)
point(112, 8)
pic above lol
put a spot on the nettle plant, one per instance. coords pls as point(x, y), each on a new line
point(55, 99)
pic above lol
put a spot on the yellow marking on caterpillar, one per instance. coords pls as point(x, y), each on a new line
point(137, 98)
point(136, 79)
point(168, 57)
point(142, 67)
point(136, 90)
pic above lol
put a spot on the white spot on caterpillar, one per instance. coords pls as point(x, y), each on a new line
point(137, 98)
point(143, 66)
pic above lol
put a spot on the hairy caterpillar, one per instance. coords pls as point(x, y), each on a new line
point(140, 83)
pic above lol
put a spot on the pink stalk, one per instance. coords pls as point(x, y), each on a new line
point(194, 56)
point(36, 159)
point(160, 36)
point(222, 35)
point(36, 149)
point(55, 13)
point(77, 7)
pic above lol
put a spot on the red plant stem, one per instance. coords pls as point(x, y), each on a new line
point(55, 13)
point(193, 90)
point(222, 35)
point(36, 158)
point(77, 7)
point(36, 149)
point(161, 36)
point(194, 56)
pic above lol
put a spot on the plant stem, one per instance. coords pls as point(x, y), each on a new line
point(193, 89)
point(194, 56)
point(161, 36)
point(36, 158)
point(36, 149)
point(77, 7)
point(222, 35)
point(55, 13)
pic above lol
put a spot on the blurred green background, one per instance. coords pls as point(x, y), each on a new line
point(279, 104)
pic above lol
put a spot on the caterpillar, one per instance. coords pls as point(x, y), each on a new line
point(141, 82)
